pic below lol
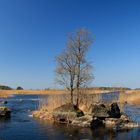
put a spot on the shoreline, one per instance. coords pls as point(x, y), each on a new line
point(4, 93)
point(129, 96)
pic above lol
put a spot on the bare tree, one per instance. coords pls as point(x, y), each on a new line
point(65, 71)
point(73, 70)
point(79, 43)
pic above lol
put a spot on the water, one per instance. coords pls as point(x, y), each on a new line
point(22, 126)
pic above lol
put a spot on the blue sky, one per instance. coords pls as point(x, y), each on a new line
point(33, 32)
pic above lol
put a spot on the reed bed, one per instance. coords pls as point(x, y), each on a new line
point(5, 93)
point(130, 97)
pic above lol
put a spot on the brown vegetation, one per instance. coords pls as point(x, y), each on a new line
point(131, 97)
point(4, 93)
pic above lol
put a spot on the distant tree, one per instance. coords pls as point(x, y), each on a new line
point(2, 87)
point(73, 69)
point(19, 88)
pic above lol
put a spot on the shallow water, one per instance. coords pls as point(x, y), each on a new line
point(22, 126)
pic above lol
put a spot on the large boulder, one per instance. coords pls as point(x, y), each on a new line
point(114, 111)
point(4, 112)
point(103, 111)
point(67, 113)
point(100, 111)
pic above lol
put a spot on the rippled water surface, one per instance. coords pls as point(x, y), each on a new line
point(22, 126)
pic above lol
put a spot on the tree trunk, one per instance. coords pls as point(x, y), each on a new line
point(71, 93)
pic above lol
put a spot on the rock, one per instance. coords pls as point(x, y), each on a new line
point(114, 111)
point(126, 126)
point(96, 123)
point(87, 121)
point(67, 113)
point(131, 125)
point(121, 123)
point(103, 111)
point(3, 102)
point(84, 121)
point(5, 112)
point(101, 115)
point(125, 118)
point(100, 111)
point(111, 122)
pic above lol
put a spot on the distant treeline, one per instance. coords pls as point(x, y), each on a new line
point(5, 87)
point(109, 88)
point(137, 88)
point(98, 88)
point(2, 87)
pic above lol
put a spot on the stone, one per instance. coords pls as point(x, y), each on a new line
point(114, 111)
point(111, 122)
point(131, 125)
point(67, 113)
point(3, 102)
point(105, 115)
point(126, 126)
point(83, 121)
point(125, 118)
point(5, 112)
point(100, 111)
point(103, 111)
point(121, 123)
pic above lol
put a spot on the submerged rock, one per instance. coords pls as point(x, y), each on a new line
point(5, 112)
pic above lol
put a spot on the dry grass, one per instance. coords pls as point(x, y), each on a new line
point(86, 100)
point(5, 93)
point(51, 91)
point(131, 97)
point(53, 101)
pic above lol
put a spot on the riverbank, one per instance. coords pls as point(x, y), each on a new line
point(53, 91)
point(5, 93)
point(128, 96)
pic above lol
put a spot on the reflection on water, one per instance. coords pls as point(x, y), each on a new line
point(107, 97)
point(21, 126)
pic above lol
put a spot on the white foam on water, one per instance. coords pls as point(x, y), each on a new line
point(30, 115)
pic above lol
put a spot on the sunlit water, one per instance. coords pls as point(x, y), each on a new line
point(22, 126)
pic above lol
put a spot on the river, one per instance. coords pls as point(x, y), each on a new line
point(21, 125)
